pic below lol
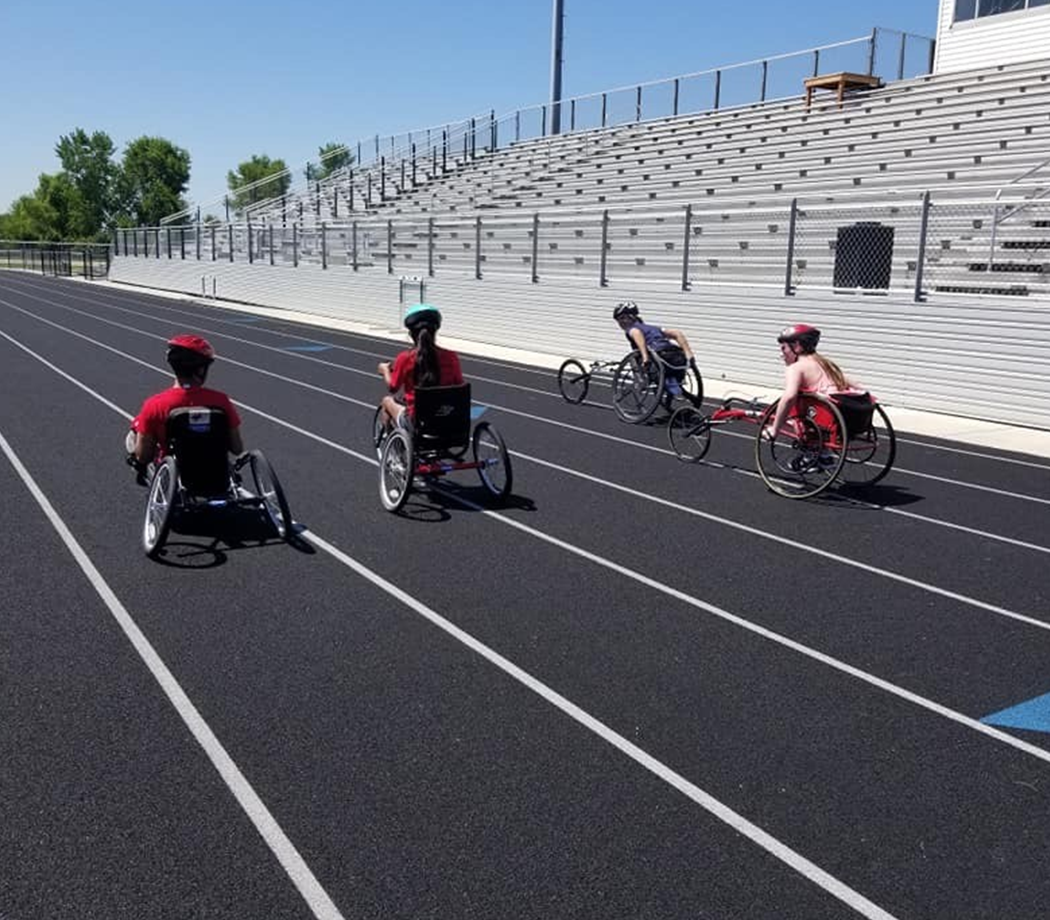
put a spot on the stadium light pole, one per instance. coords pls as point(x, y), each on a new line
point(556, 60)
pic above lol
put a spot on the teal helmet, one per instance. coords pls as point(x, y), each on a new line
point(423, 314)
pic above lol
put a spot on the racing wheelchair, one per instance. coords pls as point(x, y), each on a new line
point(195, 476)
point(841, 437)
point(435, 443)
point(638, 388)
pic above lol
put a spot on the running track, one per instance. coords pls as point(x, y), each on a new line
point(641, 690)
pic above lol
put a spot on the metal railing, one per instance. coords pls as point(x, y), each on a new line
point(918, 244)
point(88, 260)
point(437, 149)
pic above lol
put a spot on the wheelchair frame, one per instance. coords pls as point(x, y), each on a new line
point(169, 495)
point(637, 391)
point(814, 449)
point(410, 454)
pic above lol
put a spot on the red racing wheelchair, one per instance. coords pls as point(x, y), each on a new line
point(844, 438)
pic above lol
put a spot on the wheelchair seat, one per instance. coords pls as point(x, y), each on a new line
point(442, 417)
point(199, 439)
point(857, 410)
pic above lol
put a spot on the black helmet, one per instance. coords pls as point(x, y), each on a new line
point(806, 336)
point(625, 308)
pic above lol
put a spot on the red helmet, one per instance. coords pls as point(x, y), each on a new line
point(189, 351)
point(806, 336)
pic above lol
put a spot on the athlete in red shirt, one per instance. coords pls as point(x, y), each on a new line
point(426, 365)
point(190, 356)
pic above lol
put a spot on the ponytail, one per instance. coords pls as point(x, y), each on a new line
point(833, 371)
point(427, 371)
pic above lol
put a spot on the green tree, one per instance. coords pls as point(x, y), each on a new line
point(154, 176)
point(260, 167)
point(46, 214)
point(88, 165)
point(333, 156)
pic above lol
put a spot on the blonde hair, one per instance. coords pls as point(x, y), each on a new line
point(833, 371)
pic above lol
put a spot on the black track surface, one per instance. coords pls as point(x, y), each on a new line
point(818, 667)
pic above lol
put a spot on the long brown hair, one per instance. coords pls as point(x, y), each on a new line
point(426, 371)
point(833, 371)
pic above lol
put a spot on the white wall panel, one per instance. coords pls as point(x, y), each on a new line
point(1006, 38)
point(979, 357)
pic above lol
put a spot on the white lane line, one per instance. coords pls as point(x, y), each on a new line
point(704, 799)
point(736, 525)
point(688, 599)
point(316, 897)
point(538, 418)
point(515, 367)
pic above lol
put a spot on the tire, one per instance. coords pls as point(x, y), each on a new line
point(694, 387)
point(689, 433)
point(267, 486)
point(573, 381)
point(637, 389)
point(377, 432)
point(496, 474)
point(396, 467)
point(870, 454)
point(160, 507)
point(807, 455)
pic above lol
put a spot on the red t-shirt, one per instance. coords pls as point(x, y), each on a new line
point(152, 419)
point(403, 374)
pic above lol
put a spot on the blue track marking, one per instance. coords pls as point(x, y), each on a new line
point(477, 411)
point(1033, 715)
point(312, 347)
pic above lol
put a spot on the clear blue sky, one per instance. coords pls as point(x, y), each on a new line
point(226, 80)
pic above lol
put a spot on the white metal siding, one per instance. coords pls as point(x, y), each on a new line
point(978, 357)
point(992, 40)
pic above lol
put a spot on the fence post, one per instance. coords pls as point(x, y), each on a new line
point(685, 246)
point(676, 97)
point(603, 109)
point(535, 247)
point(430, 247)
point(197, 240)
point(229, 227)
point(900, 60)
point(156, 236)
point(789, 288)
point(638, 105)
point(413, 166)
point(543, 121)
point(271, 244)
point(517, 126)
point(382, 179)
point(603, 279)
point(213, 242)
point(477, 247)
point(324, 244)
point(816, 62)
point(353, 240)
point(295, 245)
point(921, 259)
point(765, 75)
point(167, 237)
point(871, 52)
point(251, 242)
point(182, 243)
point(390, 247)
point(718, 86)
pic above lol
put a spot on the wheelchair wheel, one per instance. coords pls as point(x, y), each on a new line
point(689, 433)
point(637, 388)
point(693, 384)
point(496, 473)
point(870, 454)
point(160, 506)
point(267, 486)
point(396, 467)
point(377, 432)
point(573, 381)
point(808, 453)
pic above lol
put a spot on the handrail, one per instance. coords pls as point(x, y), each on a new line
point(996, 219)
point(397, 153)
